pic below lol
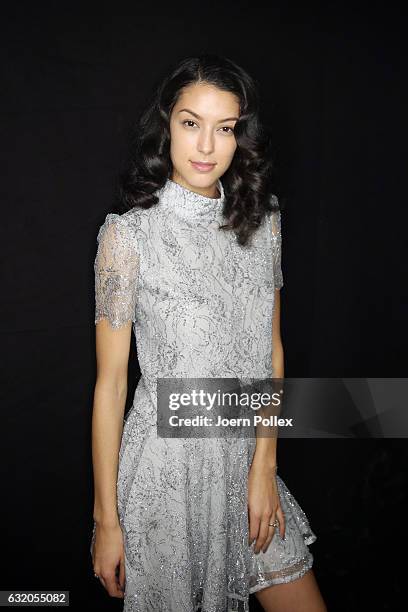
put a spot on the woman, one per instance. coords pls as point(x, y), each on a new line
point(194, 265)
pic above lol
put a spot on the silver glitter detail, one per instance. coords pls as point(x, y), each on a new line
point(116, 270)
point(276, 234)
point(201, 306)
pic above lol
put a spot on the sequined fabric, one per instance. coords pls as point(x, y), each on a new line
point(201, 306)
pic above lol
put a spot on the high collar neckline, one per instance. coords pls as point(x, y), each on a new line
point(190, 204)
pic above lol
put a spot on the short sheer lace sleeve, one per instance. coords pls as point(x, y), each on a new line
point(116, 269)
point(276, 238)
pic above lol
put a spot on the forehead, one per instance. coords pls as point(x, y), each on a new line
point(207, 100)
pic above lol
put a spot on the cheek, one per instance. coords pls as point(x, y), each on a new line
point(181, 141)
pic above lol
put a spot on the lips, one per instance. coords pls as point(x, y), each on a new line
point(202, 166)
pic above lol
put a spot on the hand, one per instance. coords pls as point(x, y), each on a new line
point(263, 506)
point(107, 555)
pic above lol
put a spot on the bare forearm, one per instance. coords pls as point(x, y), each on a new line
point(266, 440)
point(107, 427)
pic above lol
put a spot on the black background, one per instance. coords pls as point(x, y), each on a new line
point(333, 95)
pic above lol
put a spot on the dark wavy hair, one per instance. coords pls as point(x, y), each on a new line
point(248, 180)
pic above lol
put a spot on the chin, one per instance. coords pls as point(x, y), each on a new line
point(201, 180)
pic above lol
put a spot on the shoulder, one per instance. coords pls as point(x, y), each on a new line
point(120, 226)
point(117, 238)
point(274, 215)
point(273, 206)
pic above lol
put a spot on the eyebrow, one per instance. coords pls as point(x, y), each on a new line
point(198, 116)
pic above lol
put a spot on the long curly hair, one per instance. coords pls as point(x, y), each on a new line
point(248, 180)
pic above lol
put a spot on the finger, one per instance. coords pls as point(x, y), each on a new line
point(268, 541)
point(254, 524)
point(269, 538)
point(282, 522)
point(122, 575)
point(263, 534)
point(112, 585)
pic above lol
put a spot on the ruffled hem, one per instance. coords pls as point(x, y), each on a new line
point(294, 572)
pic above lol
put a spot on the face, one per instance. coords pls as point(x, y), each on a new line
point(201, 130)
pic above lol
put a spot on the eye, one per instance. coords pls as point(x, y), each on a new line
point(188, 121)
point(226, 127)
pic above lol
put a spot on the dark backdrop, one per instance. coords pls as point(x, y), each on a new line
point(333, 96)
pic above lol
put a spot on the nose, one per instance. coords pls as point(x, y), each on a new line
point(205, 142)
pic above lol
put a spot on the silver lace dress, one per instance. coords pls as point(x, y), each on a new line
point(201, 306)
